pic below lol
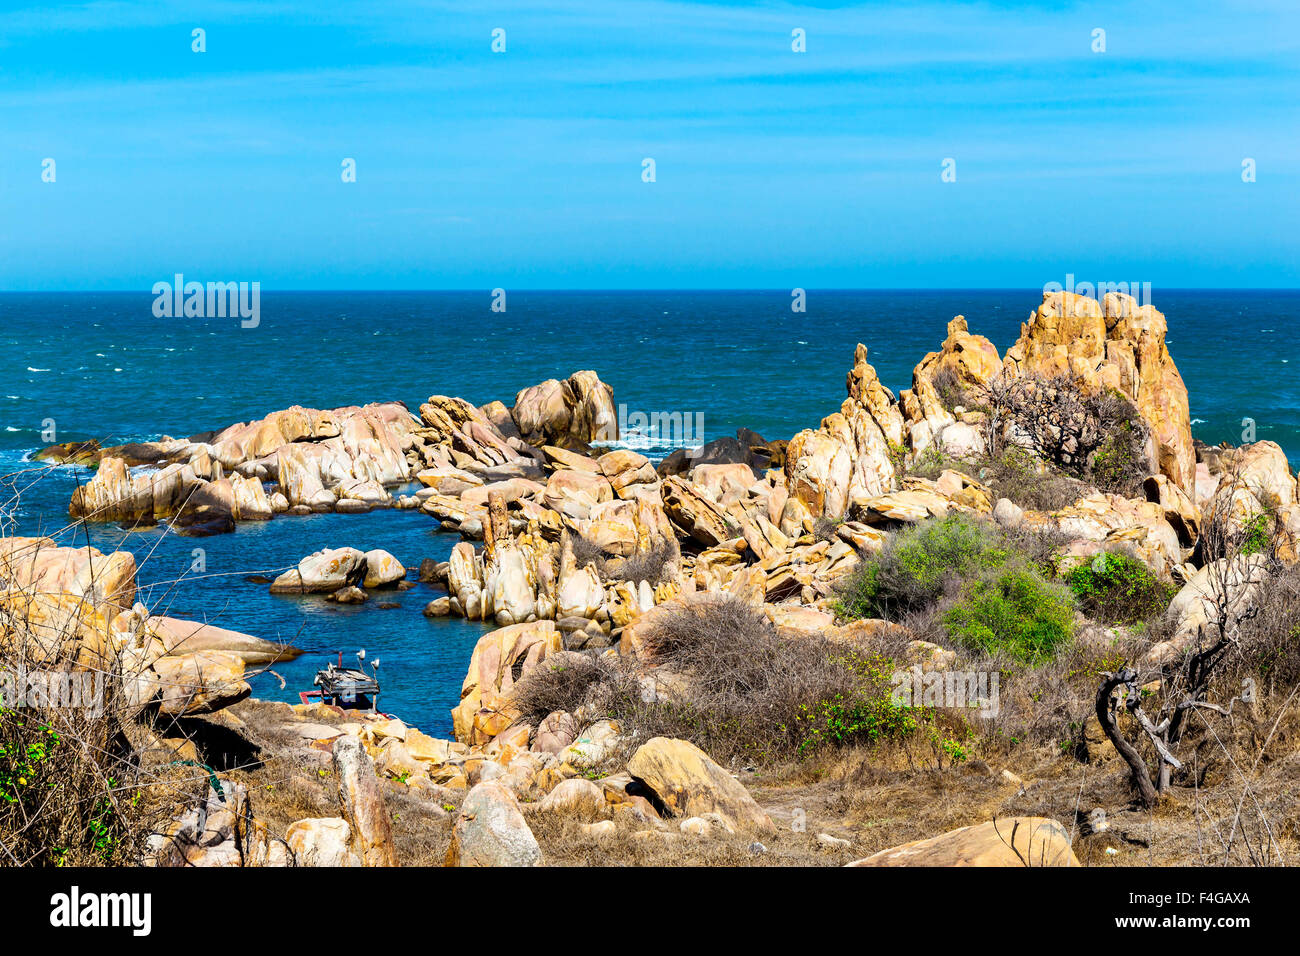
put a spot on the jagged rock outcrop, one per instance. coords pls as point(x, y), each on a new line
point(115, 494)
point(966, 362)
point(849, 455)
point(1114, 344)
point(341, 459)
point(364, 807)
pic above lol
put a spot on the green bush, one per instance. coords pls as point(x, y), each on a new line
point(911, 570)
point(1015, 612)
point(1257, 535)
point(839, 721)
point(1118, 589)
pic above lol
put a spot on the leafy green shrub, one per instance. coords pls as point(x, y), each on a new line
point(57, 806)
point(1258, 533)
point(1118, 589)
point(1015, 612)
point(838, 721)
point(910, 572)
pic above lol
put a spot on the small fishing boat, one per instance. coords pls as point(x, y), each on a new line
point(348, 688)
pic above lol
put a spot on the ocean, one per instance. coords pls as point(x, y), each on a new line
point(101, 365)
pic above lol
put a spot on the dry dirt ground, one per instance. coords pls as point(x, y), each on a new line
point(874, 799)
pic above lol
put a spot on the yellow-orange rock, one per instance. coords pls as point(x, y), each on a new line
point(1114, 344)
point(500, 659)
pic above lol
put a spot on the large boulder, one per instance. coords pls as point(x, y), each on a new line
point(817, 472)
point(1223, 593)
point(575, 412)
point(689, 784)
point(39, 565)
point(382, 569)
point(323, 841)
point(324, 572)
point(511, 585)
point(500, 659)
point(53, 627)
point(747, 448)
point(580, 593)
point(1254, 484)
point(577, 796)
point(244, 499)
point(1011, 841)
point(200, 683)
point(180, 637)
point(692, 510)
point(465, 580)
point(490, 830)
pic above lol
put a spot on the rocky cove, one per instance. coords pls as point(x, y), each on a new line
point(573, 558)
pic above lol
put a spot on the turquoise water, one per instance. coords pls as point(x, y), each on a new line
point(102, 366)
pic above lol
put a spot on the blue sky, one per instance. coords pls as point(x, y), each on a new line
point(774, 169)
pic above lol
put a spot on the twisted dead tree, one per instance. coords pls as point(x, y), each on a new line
point(1092, 434)
point(1184, 674)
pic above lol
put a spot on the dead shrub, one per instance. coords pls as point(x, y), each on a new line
point(1095, 436)
point(652, 565)
point(949, 387)
point(743, 691)
point(587, 552)
point(581, 682)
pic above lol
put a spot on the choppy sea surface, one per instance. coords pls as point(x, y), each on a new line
point(101, 365)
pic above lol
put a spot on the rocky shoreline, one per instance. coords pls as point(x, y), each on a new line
point(571, 555)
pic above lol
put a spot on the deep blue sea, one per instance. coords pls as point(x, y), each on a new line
point(102, 366)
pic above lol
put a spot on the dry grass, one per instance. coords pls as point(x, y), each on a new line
point(729, 682)
point(564, 843)
point(84, 779)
